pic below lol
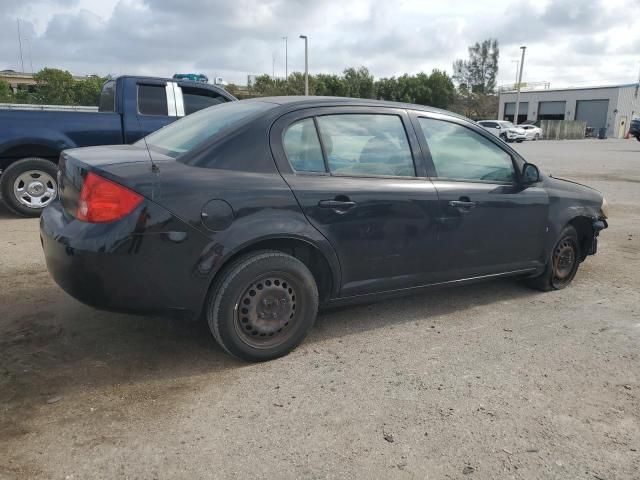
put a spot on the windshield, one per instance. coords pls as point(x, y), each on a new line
point(507, 124)
point(183, 135)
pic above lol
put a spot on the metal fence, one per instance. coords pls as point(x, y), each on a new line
point(563, 129)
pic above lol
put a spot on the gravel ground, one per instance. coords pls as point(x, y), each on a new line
point(487, 381)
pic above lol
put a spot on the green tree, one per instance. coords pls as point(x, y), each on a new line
point(441, 89)
point(478, 73)
point(360, 83)
point(54, 87)
point(6, 95)
point(87, 91)
point(330, 85)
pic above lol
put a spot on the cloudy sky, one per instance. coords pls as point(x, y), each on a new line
point(570, 42)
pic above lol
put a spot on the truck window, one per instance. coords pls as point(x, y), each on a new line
point(197, 98)
point(152, 100)
point(108, 97)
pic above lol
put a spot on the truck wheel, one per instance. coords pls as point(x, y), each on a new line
point(562, 265)
point(262, 305)
point(29, 185)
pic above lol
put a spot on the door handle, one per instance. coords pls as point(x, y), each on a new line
point(462, 204)
point(337, 204)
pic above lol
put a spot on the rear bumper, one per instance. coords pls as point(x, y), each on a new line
point(123, 267)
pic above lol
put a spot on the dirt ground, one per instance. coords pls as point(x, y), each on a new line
point(486, 381)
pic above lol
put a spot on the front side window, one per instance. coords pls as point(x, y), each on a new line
point(366, 145)
point(302, 147)
point(152, 100)
point(459, 153)
point(197, 98)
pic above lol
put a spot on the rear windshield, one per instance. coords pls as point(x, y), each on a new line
point(183, 135)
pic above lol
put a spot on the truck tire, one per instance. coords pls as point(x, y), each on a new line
point(29, 185)
point(262, 305)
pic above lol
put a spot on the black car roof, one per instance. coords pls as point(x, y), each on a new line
point(313, 101)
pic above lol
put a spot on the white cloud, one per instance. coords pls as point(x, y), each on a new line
point(569, 41)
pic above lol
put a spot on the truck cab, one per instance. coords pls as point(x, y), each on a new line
point(130, 108)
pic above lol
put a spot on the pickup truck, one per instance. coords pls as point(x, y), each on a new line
point(130, 108)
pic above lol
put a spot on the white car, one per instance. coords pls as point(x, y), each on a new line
point(507, 131)
point(532, 132)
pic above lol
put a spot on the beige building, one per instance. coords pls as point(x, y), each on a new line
point(610, 107)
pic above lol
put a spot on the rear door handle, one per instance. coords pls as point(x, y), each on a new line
point(337, 204)
point(466, 205)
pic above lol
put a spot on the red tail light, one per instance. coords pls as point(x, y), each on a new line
point(102, 200)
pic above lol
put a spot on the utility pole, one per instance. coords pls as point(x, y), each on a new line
point(286, 60)
point(306, 64)
point(273, 65)
point(30, 55)
point(20, 43)
point(517, 62)
point(515, 115)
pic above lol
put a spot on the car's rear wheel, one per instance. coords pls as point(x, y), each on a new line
point(562, 265)
point(29, 185)
point(262, 306)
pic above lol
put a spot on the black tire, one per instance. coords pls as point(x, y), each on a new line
point(536, 137)
point(44, 168)
point(560, 271)
point(520, 141)
point(503, 137)
point(262, 305)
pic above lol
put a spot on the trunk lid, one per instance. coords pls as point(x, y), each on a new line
point(128, 165)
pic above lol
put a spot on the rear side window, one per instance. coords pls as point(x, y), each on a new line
point(459, 153)
point(108, 97)
point(181, 136)
point(366, 145)
point(152, 100)
point(302, 147)
point(489, 124)
point(196, 99)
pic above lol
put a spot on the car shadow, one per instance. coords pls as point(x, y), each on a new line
point(67, 346)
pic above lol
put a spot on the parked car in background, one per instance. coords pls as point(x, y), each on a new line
point(255, 213)
point(507, 131)
point(130, 107)
point(634, 128)
point(532, 132)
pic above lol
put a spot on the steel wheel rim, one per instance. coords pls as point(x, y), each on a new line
point(267, 311)
point(35, 189)
point(564, 262)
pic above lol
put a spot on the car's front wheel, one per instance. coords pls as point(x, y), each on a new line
point(29, 185)
point(562, 265)
point(536, 137)
point(262, 306)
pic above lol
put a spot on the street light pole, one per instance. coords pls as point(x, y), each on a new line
point(286, 60)
point(515, 115)
point(20, 43)
point(306, 64)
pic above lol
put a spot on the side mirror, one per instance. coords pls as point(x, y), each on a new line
point(530, 174)
point(497, 127)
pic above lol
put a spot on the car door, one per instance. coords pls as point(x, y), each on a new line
point(353, 173)
point(154, 106)
point(490, 223)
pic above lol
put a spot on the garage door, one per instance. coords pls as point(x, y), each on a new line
point(551, 110)
point(510, 108)
point(594, 112)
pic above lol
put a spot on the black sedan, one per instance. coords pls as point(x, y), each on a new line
point(256, 213)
